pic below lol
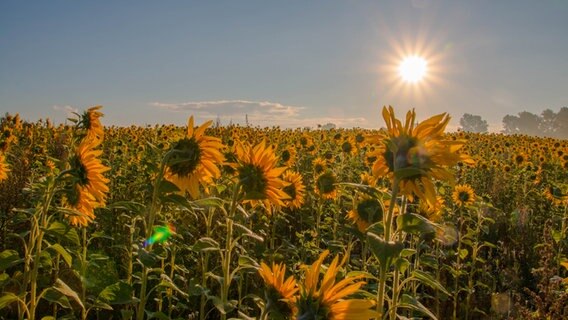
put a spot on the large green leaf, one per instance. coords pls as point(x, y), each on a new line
point(428, 280)
point(414, 224)
point(66, 290)
point(64, 232)
point(54, 296)
point(64, 254)
point(384, 251)
point(410, 302)
point(7, 299)
point(9, 258)
point(205, 244)
point(117, 293)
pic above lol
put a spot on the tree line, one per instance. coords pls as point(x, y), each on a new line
point(547, 124)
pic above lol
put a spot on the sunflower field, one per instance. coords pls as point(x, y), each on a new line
point(238, 222)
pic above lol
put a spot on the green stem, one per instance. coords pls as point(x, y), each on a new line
point(228, 251)
point(84, 273)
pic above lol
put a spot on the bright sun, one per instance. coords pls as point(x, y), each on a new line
point(412, 69)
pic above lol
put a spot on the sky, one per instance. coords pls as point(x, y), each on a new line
point(288, 63)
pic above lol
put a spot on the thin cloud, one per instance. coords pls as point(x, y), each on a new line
point(261, 113)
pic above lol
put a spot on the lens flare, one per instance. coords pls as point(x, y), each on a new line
point(412, 69)
point(161, 234)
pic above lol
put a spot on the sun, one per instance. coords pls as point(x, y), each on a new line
point(412, 69)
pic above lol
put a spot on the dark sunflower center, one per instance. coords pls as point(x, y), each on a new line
point(370, 210)
point(326, 182)
point(253, 181)
point(408, 155)
point(285, 155)
point(318, 168)
point(519, 159)
point(359, 138)
point(290, 191)
point(464, 196)
point(185, 158)
point(80, 170)
point(346, 147)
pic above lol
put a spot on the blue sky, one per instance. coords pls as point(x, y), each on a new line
point(293, 63)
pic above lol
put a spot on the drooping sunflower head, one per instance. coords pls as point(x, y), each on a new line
point(90, 121)
point(415, 154)
point(279, 293)
point(83, 205)
point(319, 165)
point(555, 194)
point(258, 175)
point(366, 211)
point(193, 160)
point(4, 168)
point(327, 299)
point(87, 170)
point(326, 185)
point(463, 195)
point(295, 189)
point(431, 212)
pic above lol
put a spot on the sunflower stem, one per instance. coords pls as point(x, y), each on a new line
point(228, 250)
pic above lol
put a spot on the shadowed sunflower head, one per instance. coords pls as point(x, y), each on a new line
point(90, 121)
point(415, 154)
point(327, 299)
point(193, 160)
point(4, 168)
point(83, 205)
point(258, 175)
point(279, 293)
point(326, 185)
point(87, 170)
point(463, 195)
point(555, 194)
point(366, 211)
point(319, 165)
point(295, 190)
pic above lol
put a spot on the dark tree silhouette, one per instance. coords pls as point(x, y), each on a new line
point(473, 123)
point(548, 124)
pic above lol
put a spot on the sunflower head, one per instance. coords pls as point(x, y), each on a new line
point(367, 211)
point(91, 123)
point(258, 176)
point(193, 159)
point(4, 168)
point(87, 170)
point(295, 189)
point(326, 185)
point(327, 299)
point(279, 293)
point(83, 205)
point(463, 195)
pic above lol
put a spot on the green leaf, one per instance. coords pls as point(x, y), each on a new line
point(127, 314)
point(100, 234)
point(428, 280)
point(4, 277)
point(248, 232)
point(167, 187)
point(405, 253)
point(223, 308)
point(410, 302)
point(9, 258)
point(148, 259)
point(157, 315)
point(7, 299)
point(64, 254)
point(64, 288)
point(407, 172)
point(361, 273)
point(414, 224)
point(54, 296)
point(63, 231)
point(384, 251)
point(205, 244)
point(401, 265)
point(48, 318)
point(248, 262)
point(117, 293)
point(209, 202)
point(463, 253)
point(167, 282)
point(177, 199)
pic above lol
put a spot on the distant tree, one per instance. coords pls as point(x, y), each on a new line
point(525, 123)
point(473, 123)
point(328, 126)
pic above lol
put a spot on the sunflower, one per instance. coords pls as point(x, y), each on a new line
point(4, 169)
point(463, 195)
point(328, 300)
point(88, 170)
point(83, 203)
point(279, 292)
point(415, 154)
point(555, 194)
point(367, 211)
point(288, 157)
point(319, 165)
point(348, 146)
point(431, 212)
point(258, 175)
point(90, 121)
point(295, 190)
point(325, 185)
point(193, 160)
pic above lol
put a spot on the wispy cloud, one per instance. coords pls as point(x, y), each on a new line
point(69, 110)
point(262, 113)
